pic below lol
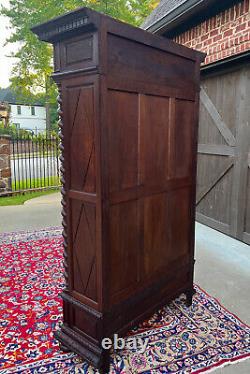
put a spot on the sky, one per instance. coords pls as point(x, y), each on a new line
point(6, 63)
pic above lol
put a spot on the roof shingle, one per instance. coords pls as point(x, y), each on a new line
point(165, 7)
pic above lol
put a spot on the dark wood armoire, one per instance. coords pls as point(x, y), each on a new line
point(128, 106)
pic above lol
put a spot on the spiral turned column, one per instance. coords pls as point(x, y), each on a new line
point(63, 190)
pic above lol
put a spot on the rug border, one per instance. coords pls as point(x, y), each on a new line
point(221, 305)
point(33, 365)
point(222, 362)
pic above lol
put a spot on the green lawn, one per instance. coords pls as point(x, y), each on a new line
point(20, 199)
point(35, 183)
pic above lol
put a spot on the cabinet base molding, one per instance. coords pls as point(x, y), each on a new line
point(75, 342)
point(90, 349)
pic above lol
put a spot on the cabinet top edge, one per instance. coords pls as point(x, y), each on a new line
point(84, 20)
point(67, 24)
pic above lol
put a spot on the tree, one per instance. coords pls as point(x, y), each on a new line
point(31, 72)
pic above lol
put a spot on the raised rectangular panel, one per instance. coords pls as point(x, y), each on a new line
point(80, 50)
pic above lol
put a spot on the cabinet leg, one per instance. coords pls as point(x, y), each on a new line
point(105, 367)
point(189, 296)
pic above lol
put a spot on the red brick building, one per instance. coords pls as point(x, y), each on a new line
point(223, 35)
point(222, 30)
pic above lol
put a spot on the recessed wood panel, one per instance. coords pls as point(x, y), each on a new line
point(80, 50)
point(83, 218)
point(81, 137)
point(179, 225)
point(122, 139)
point(124, 247)
point(156, 244)
point(154, 128)
point(84, 321)
point(181, 138)
point(130, 60)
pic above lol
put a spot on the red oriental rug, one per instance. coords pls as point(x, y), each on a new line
point(181, 339)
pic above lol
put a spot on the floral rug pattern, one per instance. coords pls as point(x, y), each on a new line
point(181, 339)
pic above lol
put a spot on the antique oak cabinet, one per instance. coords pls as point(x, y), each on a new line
point(128, 106)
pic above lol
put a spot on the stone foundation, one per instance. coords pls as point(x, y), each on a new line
point(5, 166)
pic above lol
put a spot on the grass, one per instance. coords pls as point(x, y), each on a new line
point(20, 199)
point(35, 183)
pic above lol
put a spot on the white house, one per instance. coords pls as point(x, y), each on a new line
point(28, 117)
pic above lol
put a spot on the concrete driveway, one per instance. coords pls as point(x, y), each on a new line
point(223, 270)
point(37, 213)
point(222, 264)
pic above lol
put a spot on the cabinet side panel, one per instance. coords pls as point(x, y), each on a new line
point(150, 145)
point(130, 60)
point(122, 155)
point(80, 139)
point(166, 145)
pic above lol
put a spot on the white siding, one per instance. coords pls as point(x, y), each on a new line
point(26, 120)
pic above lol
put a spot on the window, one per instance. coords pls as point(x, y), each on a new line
point(19, 109)
point(33, 112)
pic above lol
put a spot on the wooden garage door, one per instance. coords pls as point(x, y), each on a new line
point(223, 185)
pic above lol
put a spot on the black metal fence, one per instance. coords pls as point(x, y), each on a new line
point(35, 162)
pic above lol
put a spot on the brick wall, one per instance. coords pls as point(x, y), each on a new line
point(224, 35)
point(5, 167)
